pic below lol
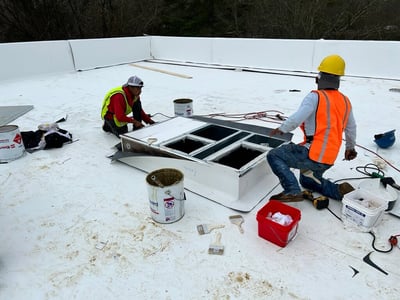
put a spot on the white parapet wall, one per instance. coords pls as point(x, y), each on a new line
point(94, 53)
point(292, 55)
point(18, 60)
point(376, 59)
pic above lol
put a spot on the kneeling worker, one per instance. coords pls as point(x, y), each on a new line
point(119, 102)
point(324, 115)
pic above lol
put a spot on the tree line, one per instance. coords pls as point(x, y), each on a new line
point(34, 20)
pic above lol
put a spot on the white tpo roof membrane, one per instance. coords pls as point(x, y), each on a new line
point(76, 226)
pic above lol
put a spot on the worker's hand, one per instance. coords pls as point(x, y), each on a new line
point(137, 124)
point(275, 132)
point(151, 122)
point(350, 154)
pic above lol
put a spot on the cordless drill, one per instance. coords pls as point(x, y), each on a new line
point(320, 202)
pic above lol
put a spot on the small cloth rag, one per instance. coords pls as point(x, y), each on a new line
point(282, 219)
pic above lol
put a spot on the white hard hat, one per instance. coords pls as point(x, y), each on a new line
point(134, 81)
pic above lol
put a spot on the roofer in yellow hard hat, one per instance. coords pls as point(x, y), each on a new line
point(324, 115)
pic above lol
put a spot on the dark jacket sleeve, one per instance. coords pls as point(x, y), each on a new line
point(146, 118)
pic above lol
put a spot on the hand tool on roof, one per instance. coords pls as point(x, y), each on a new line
point(320, 202)
point(238, 221)
point(157, 181)
point(216, 248)
point(207, 228)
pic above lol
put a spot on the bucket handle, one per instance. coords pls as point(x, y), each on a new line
point(279, 238)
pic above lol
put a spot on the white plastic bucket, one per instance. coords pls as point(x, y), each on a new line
point(11, 144)
point(166, 195)
point(374, 185)
point(183, 107)
point(363, 209)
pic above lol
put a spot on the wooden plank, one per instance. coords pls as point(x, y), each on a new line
point(162, 71)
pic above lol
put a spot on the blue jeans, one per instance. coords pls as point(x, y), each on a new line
point(287, 156)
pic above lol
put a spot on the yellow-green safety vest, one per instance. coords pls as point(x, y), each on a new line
point(107, 100)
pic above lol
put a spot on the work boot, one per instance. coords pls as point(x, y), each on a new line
point(287, 197)
point(106, 128)
point(345, 188)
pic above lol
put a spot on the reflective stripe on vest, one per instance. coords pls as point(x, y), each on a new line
point(107, 100)
point(330, 121)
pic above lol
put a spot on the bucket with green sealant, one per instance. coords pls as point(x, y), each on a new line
point(166, 195)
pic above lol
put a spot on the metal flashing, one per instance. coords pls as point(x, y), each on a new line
point(222, 161)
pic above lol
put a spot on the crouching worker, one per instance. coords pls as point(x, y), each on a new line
point(323, 115)
point(119, 102)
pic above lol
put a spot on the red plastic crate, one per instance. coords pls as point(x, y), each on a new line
point(273, 231)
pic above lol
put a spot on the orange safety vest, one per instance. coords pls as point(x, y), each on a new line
point(330, 121)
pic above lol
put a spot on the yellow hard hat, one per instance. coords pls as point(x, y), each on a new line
point(332, 64)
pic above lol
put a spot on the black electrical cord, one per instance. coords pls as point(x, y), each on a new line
point(392, 240)
point(378, 250)
point(365, 170)
point(370, 170)
point(334, 214)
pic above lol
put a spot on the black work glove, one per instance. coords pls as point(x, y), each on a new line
point(350, 154)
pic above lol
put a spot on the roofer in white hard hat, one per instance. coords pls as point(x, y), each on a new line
point(119, 102)
point(324, 115)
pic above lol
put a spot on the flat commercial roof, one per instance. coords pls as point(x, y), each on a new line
point(74, 225)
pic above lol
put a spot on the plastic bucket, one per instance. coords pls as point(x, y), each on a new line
point(274, 232)
point(11, 144)
point(166, 195)
point(363, 209)
point(375, 186)
point(183, 107)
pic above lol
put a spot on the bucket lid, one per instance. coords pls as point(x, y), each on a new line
point(8, 128)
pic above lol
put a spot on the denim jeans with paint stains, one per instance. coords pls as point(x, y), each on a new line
point(287, 156)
